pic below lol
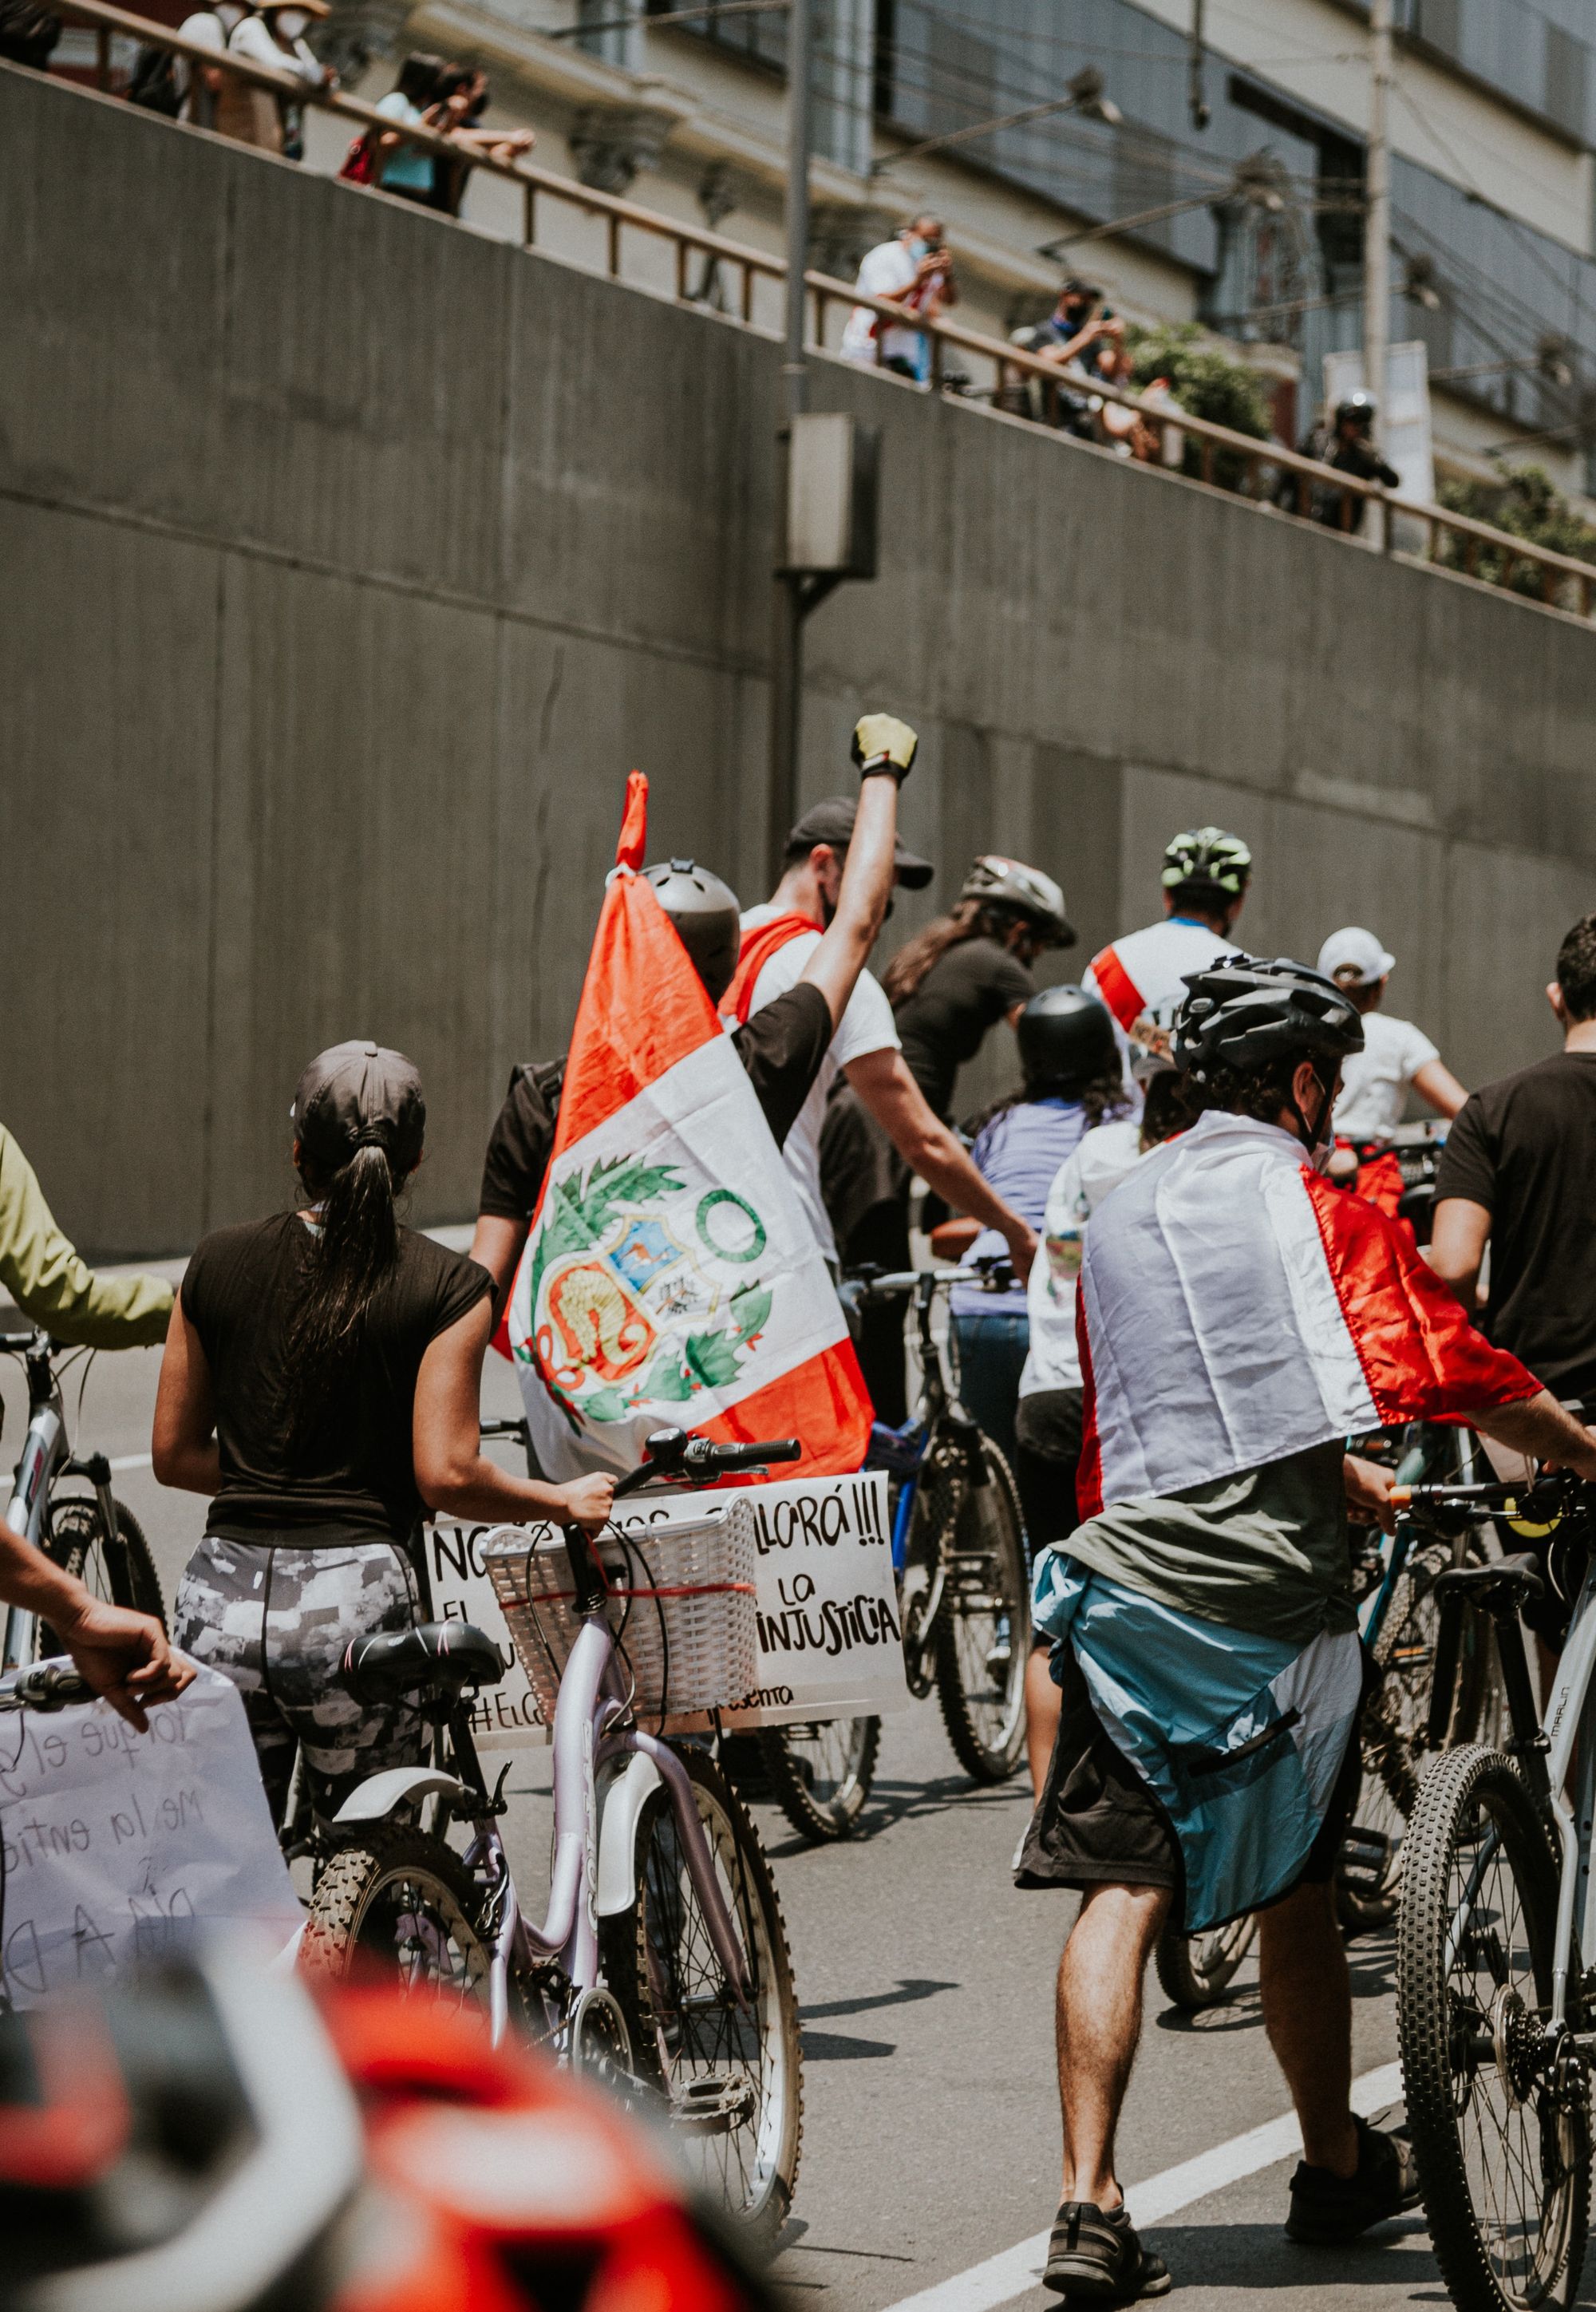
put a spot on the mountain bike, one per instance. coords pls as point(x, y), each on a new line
point(91, 1535)
point(1496, 1984)
point(958, 1552)
point(662, 1964)
point(1395, 1581)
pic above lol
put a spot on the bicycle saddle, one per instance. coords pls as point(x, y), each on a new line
point(448, 1656)
point(1504, 1579)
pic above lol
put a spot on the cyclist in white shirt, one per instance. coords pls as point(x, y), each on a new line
point(778, 941)
point(1395, 1054)
point(1204, 877)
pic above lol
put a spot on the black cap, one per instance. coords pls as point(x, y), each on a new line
point(359, 1095)
point(832, 822)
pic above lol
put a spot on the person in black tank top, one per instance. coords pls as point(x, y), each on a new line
point(319, 1386)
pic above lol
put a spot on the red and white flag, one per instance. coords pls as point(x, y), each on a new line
point(671, 1278)
point(1235, 1308)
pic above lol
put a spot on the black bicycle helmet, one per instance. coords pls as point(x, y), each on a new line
point(706, 917)
point(1246, 1013)
point(1001, 882)
point(1067, 1039)
point(1207, 858)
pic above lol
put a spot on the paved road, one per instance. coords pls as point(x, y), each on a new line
point(931, 2129)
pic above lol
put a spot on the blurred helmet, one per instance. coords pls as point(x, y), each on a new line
point(1010, 883)
point(1246, 1013)
point(1206, 857)
point(1356, 409)
point(706, 917)
point(1067, 1039)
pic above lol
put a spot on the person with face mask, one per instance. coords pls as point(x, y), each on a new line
point(199, 86)
point(914, 271)
point(1239, 1319)
point(273, 36)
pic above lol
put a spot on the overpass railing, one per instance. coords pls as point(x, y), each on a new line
point(1263, 472)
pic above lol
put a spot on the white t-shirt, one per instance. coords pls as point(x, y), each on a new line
point(1105, 1155)
point(1148, 969)
point(883, 272)
point(1374, 1082)
point(866, 1026)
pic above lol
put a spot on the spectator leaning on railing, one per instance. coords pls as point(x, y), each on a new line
point(915, 271)
point(273, 36)
point(198, 86)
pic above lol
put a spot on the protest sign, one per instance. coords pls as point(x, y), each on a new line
point(503, 1717)
point(117, 1845)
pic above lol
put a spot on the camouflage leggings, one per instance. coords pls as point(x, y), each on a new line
point(275, 1620)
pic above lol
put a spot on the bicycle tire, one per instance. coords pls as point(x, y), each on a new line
point(1195, 1971)
point(989, 1737)
point(821, 1810)
point(1468, 1799)
point(347, 1921)
point(659, 1964)
point(124, 1575)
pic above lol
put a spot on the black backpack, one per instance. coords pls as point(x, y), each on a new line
point(154, 82)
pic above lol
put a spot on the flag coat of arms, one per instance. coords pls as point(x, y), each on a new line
point(670, 1279)
point(1235, 1308)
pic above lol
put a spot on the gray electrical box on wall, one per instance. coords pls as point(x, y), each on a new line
point(832, 465)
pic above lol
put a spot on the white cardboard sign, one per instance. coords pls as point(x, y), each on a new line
point(831, 1643)
point(117, 1845)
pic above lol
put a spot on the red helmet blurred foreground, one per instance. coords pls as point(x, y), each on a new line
point(208, 2140)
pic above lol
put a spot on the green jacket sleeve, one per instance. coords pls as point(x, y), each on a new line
point(50, 1284)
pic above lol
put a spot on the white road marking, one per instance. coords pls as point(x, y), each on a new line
point(131, 1461)
point(1018, 2270)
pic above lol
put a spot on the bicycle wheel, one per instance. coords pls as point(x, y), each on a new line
point(120, 1572)
point(1501, 2136)
point(1197, 1970)
point(1369, 1867)
point(821, 1775)
point(1396, 1715)
point(983, 1628)
point(399, 1908)
point(731, 2076)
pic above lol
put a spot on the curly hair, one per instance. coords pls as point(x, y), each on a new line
point(1103, 1099)
point(1576, 969)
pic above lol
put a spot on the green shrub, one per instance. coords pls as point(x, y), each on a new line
point(1207, 384)
point(1525, 502)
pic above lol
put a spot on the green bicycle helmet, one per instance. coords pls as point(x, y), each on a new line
point(1206, 858)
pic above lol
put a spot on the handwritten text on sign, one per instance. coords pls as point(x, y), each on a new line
point(116, 1845)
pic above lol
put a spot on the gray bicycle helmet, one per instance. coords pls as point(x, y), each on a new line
point(1067, 1039)
point(1002, 882)
point(1245, 1013)
point(1209, 859)
point(706, 917)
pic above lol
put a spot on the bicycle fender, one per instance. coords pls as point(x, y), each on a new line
point(623, 1806)
point(383, 1794)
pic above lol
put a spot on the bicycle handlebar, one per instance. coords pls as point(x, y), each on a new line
point(673, 1455)
point(1560, 1492)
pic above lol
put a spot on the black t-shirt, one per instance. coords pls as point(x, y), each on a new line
point(941, 1024)
point(241, 1291)
point(1525, 1148)
point(781, 1048)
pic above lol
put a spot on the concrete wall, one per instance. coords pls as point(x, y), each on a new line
point(348, 560)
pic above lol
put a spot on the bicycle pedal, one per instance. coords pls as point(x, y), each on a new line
point(712, 2107)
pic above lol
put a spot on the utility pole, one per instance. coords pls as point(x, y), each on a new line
point(786, 656)
point(1377, 221)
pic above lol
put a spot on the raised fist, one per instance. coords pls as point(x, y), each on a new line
point(882, 743)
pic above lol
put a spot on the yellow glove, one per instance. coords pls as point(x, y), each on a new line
point(882, 743)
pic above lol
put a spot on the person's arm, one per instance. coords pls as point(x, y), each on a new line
point(497, 1245)
point(1435, 1083)
point(1459, 1233)
point(884, 750)
point(453, 1475)
point(51, 1285)
point(883, 1082)
point(183, 1448)
point(1538, 1425)
point(124, 1656)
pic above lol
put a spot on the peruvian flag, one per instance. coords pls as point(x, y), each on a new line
point(670, 1279)
point(1235, 1308)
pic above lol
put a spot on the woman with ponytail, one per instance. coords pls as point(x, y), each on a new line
point(319, 1386)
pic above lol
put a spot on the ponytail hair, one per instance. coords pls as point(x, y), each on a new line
point(903, 976)
point(353, 1250)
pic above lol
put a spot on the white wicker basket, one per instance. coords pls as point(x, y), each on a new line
point(681, 1605)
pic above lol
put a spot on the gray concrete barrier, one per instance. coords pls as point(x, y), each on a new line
point(348, 560)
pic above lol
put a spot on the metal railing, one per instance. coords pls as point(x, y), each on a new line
point(1025, 385)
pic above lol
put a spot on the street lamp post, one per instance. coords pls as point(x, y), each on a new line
point(789, 607)
point(1377, 223)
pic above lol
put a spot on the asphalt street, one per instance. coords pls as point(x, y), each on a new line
point(931, 2127)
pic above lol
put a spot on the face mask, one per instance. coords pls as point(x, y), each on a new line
point(291, 22)
point(229, 15)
